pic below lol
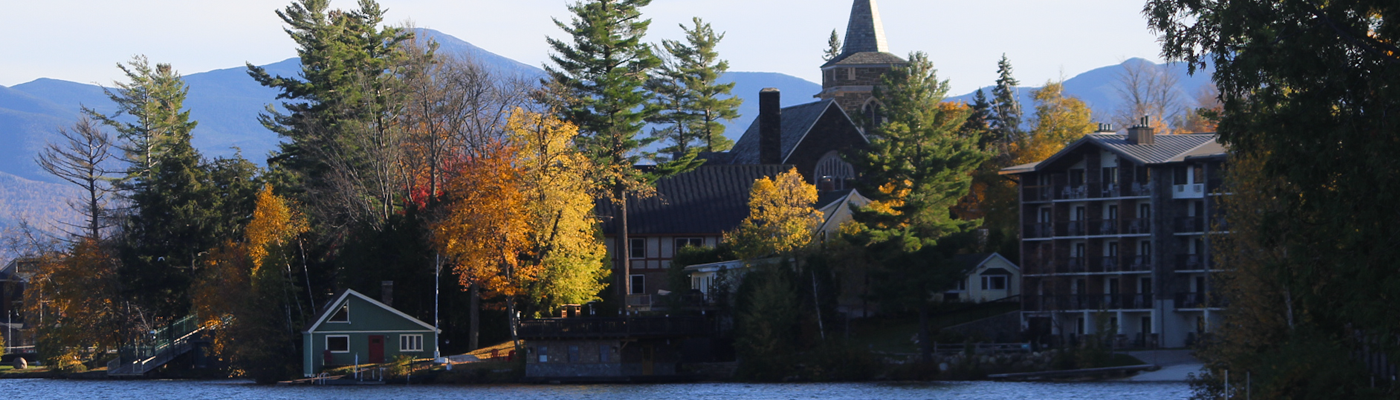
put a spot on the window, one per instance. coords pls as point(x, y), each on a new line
point(1112, 249)
point(573, 354)
point(681, 243)
point(1179, 175)
point(1145, 286)
point(638, 248)
point(1110, 175)
point(1045, 215)
point(1076, 177)
point(1145, 249)
point(1079, 250)
point(544, 354)
point(1144, 211)
point(341, 315)
point(639, 284)
point(1112, 212)
point(604, 353)
point(994, 282)
point(1198, 173)
point(410, 343)
point(338, 344)
point(1079, 213)
point(962, 284)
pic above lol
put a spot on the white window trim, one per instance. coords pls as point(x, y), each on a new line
point(346, 307)
point(410, 339)
point(347, 343)
point(634, 287)
point(632, 248)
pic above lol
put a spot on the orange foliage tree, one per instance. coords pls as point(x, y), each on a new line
point(74, 303)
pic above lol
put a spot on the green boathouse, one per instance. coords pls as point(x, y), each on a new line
point(354, 327)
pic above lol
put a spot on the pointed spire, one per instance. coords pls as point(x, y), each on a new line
point(865, 33)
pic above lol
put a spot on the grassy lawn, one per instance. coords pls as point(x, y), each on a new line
point(502, 349)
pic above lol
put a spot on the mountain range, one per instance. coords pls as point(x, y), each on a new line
point(227, 102)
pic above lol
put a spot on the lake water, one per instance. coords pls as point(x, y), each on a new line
point(230, 390)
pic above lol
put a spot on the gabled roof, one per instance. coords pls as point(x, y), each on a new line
point(1165, 149)
point(867, 58)
point(829, 206)
point(340, 298)
point(971, 262)
point(797, 121)
point(711, 199)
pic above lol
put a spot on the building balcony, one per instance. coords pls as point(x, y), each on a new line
point(1138, 189)
point(1139, 263)
point(1078, 192)
point(1038, 231)
point(1089, 302)
point(1190, 225)
point(1137, 226)
point(1037, 193)
point(1190, 262)
point(1072, 228)
point(1103, 227)
point(1200, 300)
point(1191, 191)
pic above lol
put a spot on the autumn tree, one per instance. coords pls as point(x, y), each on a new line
point(563, 238)
point(1308, 91)
point(916, 169)
point(601, 71)
point(247, 293)
point(487, 232)
point(1059, 120)
point(74, 300)
point(82, 159)
point(781, 217)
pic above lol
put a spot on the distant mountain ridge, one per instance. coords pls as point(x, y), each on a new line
point(226, 103)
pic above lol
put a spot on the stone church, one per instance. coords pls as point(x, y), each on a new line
point(697, 207)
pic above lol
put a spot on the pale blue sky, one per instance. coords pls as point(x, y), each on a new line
point(81, 40)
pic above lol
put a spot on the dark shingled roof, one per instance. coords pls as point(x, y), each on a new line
point(797, 120)
point(868, 58)
point(711, 199)
point(1165, 149)
point(968, 262)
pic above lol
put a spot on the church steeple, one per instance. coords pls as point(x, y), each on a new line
point(865, 33)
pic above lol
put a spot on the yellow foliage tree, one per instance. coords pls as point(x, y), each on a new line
point(1059, 120)
point(781, 217)
point(564, 245)
point(245, 292)
point(74, 302)
point(486, 233)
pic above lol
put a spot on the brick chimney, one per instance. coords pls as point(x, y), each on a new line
point(386, 293)
point(1142, 133)
point(770, 127)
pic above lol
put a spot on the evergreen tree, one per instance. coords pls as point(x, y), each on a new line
point(916, 169)
point(980, 119)
point(149, 112)
point(1006, 109)
point(344, 142)
point(602, 72)
point(833, 47)
point(690, 93)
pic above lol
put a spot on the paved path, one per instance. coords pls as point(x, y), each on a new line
point(1176, 364)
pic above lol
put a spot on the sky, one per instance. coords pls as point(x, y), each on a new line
point(83, 40)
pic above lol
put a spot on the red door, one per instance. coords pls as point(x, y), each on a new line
point(376, 349)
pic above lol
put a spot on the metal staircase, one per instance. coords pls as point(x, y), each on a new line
point(163, 345)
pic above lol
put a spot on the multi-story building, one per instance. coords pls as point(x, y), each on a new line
point(1115, 235)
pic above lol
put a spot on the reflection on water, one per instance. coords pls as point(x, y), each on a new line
point(229, 390)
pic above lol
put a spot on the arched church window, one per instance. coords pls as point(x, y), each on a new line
point(832, 173)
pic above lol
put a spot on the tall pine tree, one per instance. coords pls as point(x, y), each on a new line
point(1006, 108)
point(603, 69)
point(692, 77)
point(916, 169)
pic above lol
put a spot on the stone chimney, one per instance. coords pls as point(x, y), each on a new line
point(386, 293)
point(770, 127)
point(1142, 134)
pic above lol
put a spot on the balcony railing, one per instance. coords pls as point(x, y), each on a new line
point(1037, 193)
point(1073, 228)
point(1079, 302)
point(1137, 226)
point(1075, 192)
point(1190, 262)
point(1190, 225)
point(1076, 265)
point(1192, 300)
point(612, 327)
point(1103, 227)
point(1039, 231)
point(1111, 190)
point(1138, 189)
point(1140, 263)
point(1110, 264)
point(1191, 191)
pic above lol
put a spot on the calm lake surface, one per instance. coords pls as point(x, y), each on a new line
point(228, 390)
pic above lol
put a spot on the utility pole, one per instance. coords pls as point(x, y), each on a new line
point(437, 283)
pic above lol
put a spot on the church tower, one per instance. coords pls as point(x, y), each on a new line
point(851, 77)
